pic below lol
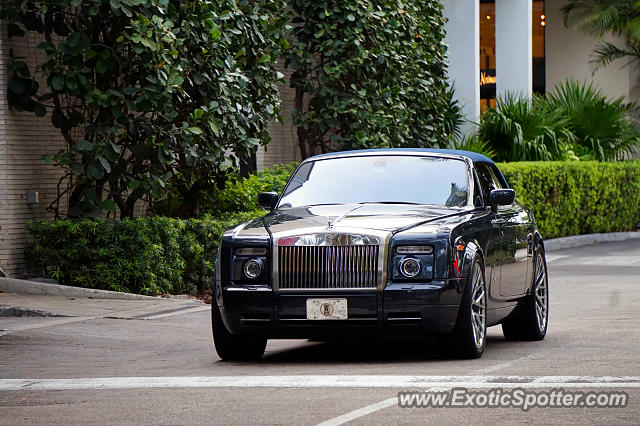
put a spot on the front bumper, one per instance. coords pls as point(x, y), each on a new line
point(425, 308)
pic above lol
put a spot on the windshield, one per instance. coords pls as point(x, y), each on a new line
point(378, 179)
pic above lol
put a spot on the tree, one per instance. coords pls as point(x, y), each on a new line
point(620, 18)
point(149, 94)
point(369, 74)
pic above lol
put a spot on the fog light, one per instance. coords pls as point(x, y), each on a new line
point(410, 267)
point(252, 268)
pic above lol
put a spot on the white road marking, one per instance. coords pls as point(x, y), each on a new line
point(360, 412)
point(404, 382)
point(502, 365)
point(365, 411)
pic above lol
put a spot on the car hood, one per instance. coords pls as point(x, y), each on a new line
point(379, 217)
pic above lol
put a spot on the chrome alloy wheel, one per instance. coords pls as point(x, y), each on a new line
point(478, 306)
point(540, 293)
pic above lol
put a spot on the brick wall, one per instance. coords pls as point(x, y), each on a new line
point(24, 138)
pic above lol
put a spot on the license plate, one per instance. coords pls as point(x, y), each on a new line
point(326, 309)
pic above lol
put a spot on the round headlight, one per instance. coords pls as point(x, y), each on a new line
point(252, 268)
point(410, 267)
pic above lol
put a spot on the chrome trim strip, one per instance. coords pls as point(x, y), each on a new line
point(333, 238)
point(262, 288)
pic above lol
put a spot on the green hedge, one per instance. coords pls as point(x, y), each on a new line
point(151, 255)
point(575, 197)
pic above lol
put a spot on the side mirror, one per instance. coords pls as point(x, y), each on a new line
point(501, 197)
point(267, 200)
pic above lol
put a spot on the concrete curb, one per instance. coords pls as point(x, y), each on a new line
point(588, 239)
point(13, 285)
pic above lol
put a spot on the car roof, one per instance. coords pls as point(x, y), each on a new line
point(473, 156)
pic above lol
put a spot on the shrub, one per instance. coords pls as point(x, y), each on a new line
point(602, 128)
point(148, 94)
point(520, 130)
point(241, 194)
point(151, 255)
point(571, 198)
point(369, 74)
point(574, 121)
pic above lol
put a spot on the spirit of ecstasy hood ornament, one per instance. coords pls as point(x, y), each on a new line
point(329, 225)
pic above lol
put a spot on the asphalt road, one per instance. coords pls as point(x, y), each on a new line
point(594, 334)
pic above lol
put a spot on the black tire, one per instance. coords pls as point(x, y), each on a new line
point(234, 347)
point(469, 336)
point(530, 319)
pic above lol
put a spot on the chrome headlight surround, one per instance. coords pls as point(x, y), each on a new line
point(253, 268)
point(410, 267)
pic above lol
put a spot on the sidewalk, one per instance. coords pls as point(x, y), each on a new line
point(19, 312)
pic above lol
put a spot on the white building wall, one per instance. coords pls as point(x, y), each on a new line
point(463, 39)
point(568, 52)
point(514, 62)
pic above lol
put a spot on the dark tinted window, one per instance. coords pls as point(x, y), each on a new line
point(371, 179)
point(488, 181)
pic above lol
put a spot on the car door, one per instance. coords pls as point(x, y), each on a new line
point(514, 244)
point(494, 256)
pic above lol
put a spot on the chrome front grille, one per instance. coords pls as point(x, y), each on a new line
point(328, 267)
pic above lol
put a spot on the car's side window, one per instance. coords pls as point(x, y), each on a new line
point(477, 192)
point(499, 177)
point(497, 183)
point(487, 182)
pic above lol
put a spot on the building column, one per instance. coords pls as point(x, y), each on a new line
point(514, 65)
point(463, 39)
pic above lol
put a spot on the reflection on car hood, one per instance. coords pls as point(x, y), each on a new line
point(382, 217)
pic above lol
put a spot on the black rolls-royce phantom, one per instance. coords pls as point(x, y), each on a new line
point(392, 241)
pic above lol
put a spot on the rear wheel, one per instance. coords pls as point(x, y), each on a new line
point(469, 336)
point(232, 347)
point(529, 320)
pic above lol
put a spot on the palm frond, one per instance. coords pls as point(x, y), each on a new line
point(525, 130)
point(474, 144)
point(602, 127)
point(605, 53)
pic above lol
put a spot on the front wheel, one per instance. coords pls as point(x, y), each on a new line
point(530, 319)
point(232, 347)
point(469, 336)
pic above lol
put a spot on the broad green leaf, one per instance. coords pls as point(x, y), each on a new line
point(83, 145)
point(195, 130)
point(57, 82)
point(108, 205)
